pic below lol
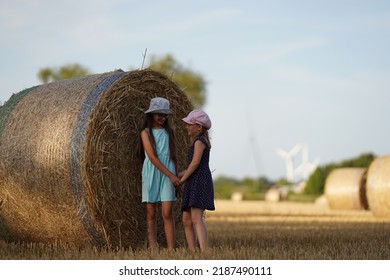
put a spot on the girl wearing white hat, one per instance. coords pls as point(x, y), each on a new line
point(159, 179)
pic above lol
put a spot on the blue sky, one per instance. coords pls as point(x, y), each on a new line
point(278, 72)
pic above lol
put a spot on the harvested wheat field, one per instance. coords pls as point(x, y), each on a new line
point(252, 230)
point(298, 231)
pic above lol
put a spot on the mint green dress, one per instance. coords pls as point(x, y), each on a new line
point(157, 187)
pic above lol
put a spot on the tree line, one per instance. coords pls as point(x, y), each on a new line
point(191, 82)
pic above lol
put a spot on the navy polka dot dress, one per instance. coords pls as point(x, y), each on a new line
point(199, 190)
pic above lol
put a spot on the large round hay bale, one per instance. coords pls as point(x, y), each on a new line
point(68, 166)
point(378, 186)
point(345, 189)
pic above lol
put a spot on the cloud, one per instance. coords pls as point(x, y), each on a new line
point(357, 81)
point(95, 32)
point(266, 53)
point(200, 20)
point(303, 76)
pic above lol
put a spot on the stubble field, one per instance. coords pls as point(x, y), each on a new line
point(252, 230)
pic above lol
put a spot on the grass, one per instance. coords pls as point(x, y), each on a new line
point(252, 230)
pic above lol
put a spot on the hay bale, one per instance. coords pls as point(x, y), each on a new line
point(237, 196)
point(273, 195)
point(68, 163)
point(345, 189)
point(322, 201)
point(378, 186)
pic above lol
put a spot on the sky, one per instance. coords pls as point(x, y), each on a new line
point(278, 72)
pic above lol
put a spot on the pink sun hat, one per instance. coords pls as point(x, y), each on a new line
point(198, 116)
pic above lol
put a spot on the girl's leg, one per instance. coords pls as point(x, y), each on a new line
point(169, 224)
point(151, 225)
point(200, 227)
point(189, 230)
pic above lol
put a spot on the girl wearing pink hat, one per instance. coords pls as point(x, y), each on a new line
point(158, 155)
point(198, 193)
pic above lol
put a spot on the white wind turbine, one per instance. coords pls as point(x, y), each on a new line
point(288, 157)
point(306, 167)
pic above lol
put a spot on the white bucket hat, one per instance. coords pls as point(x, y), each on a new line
point(159, 105)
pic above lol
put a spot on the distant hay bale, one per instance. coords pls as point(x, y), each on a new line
point(322, 201)
point(68, 165)
point(237, 196)
point(345, 189)
point(273, 195)
point(378, 186)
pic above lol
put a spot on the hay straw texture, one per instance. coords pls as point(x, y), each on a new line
point(378, 186)
point(345, 189)
point(68, 166)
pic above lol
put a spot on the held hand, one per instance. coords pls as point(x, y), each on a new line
point(175, 180)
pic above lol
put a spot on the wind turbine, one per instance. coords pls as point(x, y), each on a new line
point(288, 157)
point(306, 167)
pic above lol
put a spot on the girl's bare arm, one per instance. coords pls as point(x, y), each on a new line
point(154, 159)
point(199, 147)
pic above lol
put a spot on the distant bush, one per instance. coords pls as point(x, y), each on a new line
point(301, 197)
point(254, 196)
point(251, 189)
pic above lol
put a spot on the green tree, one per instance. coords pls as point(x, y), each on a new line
point(364, 160)
point(262, 184)
point(193, 84)
point(224, 187)
point(315, 183)
point(283, 182)
point(49, 74)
